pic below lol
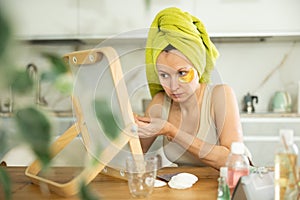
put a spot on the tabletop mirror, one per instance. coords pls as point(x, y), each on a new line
point(104, 120)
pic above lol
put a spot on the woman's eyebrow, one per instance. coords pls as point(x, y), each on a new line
point(184, 68)
point(161, 70)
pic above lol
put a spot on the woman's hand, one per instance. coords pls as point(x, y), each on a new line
point(150, 127)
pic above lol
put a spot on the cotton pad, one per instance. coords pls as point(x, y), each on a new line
point(159, 183)
point(183, 181)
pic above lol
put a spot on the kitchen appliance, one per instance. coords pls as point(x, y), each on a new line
point(281, 102)
point(249, 103)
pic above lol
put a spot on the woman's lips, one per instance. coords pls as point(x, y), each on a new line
point(176, 95)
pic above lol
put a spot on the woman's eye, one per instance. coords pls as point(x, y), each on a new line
point(186, 76)
point(182, 73)
point(164, 75)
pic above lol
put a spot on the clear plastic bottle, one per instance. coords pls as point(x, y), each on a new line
point(237, 164)
point(223, 189)
point(286, 173)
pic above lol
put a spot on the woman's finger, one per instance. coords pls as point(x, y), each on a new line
point(141, 123)
point(143, 119)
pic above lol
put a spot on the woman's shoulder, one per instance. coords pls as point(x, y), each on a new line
point(220, 92)
point(159, 98)
point(155, 107)
point(221, 89)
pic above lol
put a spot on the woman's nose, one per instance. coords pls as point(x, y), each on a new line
point(174, 83)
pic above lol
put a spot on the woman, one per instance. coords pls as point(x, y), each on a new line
point(198, 121)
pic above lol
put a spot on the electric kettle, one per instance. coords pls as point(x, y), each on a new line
point(281, 102)
point(249, 103)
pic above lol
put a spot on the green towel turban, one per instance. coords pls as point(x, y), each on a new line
point(187, 34)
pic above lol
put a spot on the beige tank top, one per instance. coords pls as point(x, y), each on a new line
point(207, 132)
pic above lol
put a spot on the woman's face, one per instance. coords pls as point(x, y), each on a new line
point(177, 75)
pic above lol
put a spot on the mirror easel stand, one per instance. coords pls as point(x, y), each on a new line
point(79, 127)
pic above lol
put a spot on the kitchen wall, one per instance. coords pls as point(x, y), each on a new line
point(259, 65)
point(260, 68)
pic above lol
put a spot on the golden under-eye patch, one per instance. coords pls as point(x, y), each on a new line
point(188, 77)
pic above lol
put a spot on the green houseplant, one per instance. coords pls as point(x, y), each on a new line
point(30, 120)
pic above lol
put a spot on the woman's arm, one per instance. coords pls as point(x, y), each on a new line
point(225, 113)
point(211, 154)
point(153, 110)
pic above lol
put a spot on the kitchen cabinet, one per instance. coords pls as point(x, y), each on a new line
point(264, 16)
point(33, 19)
point(261, 134)
point(106, 18)
point(94, 20)
point(69, 19)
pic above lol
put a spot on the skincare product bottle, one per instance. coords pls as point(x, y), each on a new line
point(286, 173)
point(223, 189)
point(237, 164)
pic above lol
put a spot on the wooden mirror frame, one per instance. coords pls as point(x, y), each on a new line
point(90, 172)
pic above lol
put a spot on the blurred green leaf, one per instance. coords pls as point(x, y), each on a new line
point(6, 183)
point(85, 193)
point(64, 84)
point(21, 82)
point(35, 129)
point(5, 33)
point(49, 76)
point(3, 143)
point(110, 124)
point(58, 64)
point(58, 74)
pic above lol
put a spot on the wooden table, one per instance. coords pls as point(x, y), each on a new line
point(107, 187)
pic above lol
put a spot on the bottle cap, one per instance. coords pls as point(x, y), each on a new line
point(237, 148)
point(287, 135)
point(223, 172)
